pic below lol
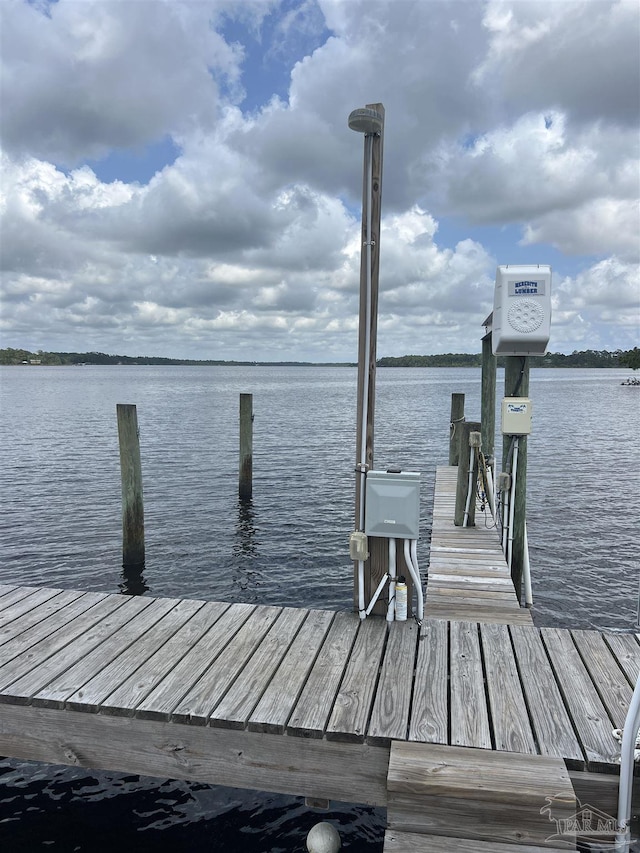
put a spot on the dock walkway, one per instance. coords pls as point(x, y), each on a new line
point(308, 702)
point(468, 575)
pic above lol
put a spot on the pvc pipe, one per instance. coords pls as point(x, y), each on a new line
point(415, 574)
point(491, 496)
point(526, 571)
point(470, 488)
point(376, 595)
point(505, 521)
point(627, 750)
point(392, 580)
point(361, 609)
point(512, 500)
point(407, 560)
point(411, 560)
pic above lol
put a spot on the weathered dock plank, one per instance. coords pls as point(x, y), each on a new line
point(68, 655)
point(609, 680)
point(627, 653)
point(69, 605)
point(59, 689)
point(199, 702)
point(551, 722)
point(469, 716)
point(94, 691)
point(588, 714)
point(396, 841)
point(497, 797)
point(390, 714)
point(165, 696)
point(272, 712)
point(430, 708)
point(246, 690)
point(128, 696)
point(352, 705)
point(10, 596)
point(20, 611)
point(323, 769)
point(313, 709)
point(509, 717)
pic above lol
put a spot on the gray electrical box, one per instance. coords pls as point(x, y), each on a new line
point(392, 506)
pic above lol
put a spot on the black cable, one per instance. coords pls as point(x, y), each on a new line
point(520, 377)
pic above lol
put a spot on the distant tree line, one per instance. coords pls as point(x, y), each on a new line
point(22, 356)
point(585, 358)
point(631, 358)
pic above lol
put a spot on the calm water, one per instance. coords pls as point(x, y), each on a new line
point(60, 526)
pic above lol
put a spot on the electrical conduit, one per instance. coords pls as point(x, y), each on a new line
point(512, 500)
point(415, 574)
point(392, 580)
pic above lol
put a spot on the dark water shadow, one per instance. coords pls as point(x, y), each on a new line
point(245, 543)
point(133, 582)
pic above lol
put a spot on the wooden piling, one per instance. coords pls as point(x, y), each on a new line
point(457, 417)
point(462, 486)
point(516, 384)
point(488, 401)
point(245, 481)
point(131, 478)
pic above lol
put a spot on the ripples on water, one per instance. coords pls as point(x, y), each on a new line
point(60, 526)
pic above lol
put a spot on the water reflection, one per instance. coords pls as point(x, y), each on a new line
point(133, 582)
point(245, 544)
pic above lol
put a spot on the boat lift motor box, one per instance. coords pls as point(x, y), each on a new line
point(521, 323)
point(392, 507)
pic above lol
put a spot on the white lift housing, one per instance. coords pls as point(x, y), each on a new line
point(521, 323)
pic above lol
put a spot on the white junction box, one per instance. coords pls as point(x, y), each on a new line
point(521, 323)
point(516, 416)
point(392, 505)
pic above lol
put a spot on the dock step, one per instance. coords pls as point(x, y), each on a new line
point(410, 842)
point(479, 795)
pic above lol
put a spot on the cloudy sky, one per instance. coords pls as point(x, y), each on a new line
point(178, 176)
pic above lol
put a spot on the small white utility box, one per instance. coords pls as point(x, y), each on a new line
point(521, 322)
point(392, 506)
point(516, 416)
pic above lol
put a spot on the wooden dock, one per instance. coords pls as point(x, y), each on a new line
point(320, 704)
point(468, 575)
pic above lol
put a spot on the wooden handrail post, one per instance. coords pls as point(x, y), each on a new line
point(457, 417)
point(131, 479)
point(245, 480)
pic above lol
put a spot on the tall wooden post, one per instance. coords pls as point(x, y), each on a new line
point(376, 565)
point(457, 417)
point(462, 484)
point(131, 478)
point(488, 401)
point(516, 384)
point(245, 481)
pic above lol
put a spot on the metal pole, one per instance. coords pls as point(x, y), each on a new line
point(368, 575)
